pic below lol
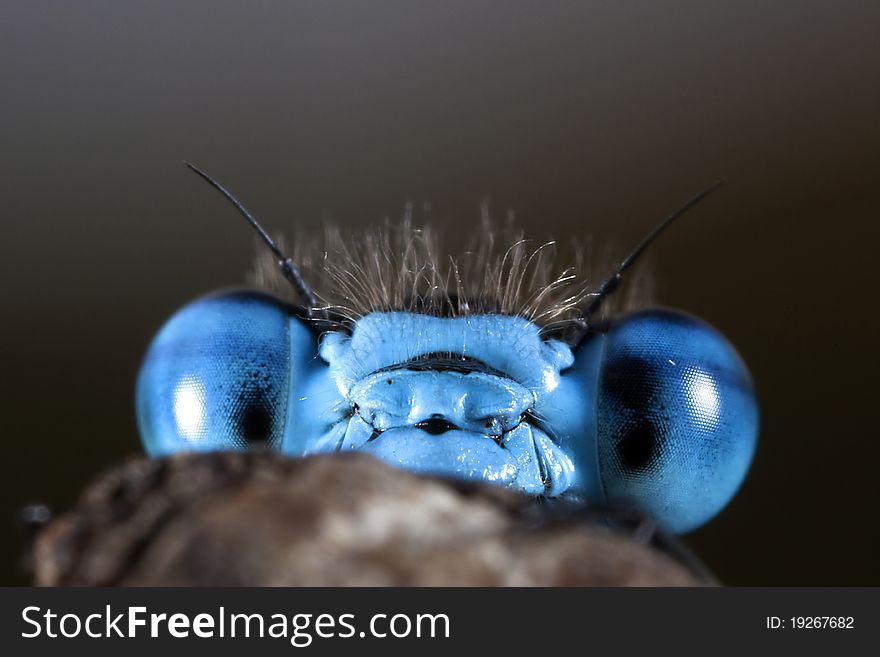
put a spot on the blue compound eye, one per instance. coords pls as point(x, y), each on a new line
point(677, 418)
point(216, 376)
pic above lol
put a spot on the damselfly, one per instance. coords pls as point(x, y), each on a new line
point(487, 367)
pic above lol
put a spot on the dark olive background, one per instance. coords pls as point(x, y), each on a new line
point(584, 117)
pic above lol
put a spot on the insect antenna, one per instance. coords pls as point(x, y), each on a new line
point(288, 268)
point(610, 284)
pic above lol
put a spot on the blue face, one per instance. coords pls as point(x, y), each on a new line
point(658, 410)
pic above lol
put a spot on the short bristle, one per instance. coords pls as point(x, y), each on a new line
point(408, 268)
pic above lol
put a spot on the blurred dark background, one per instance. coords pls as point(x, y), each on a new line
point(584, 117)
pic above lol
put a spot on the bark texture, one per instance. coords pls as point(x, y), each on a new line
point(259, 518)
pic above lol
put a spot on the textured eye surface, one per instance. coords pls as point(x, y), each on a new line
point(216, 376)
point(677, 418)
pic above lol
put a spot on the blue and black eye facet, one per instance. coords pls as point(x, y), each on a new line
point(677, 418)
point(216, 376)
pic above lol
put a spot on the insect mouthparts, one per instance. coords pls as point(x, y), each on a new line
point(436, 425)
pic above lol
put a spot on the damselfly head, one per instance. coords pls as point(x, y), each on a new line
point(484, 363)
